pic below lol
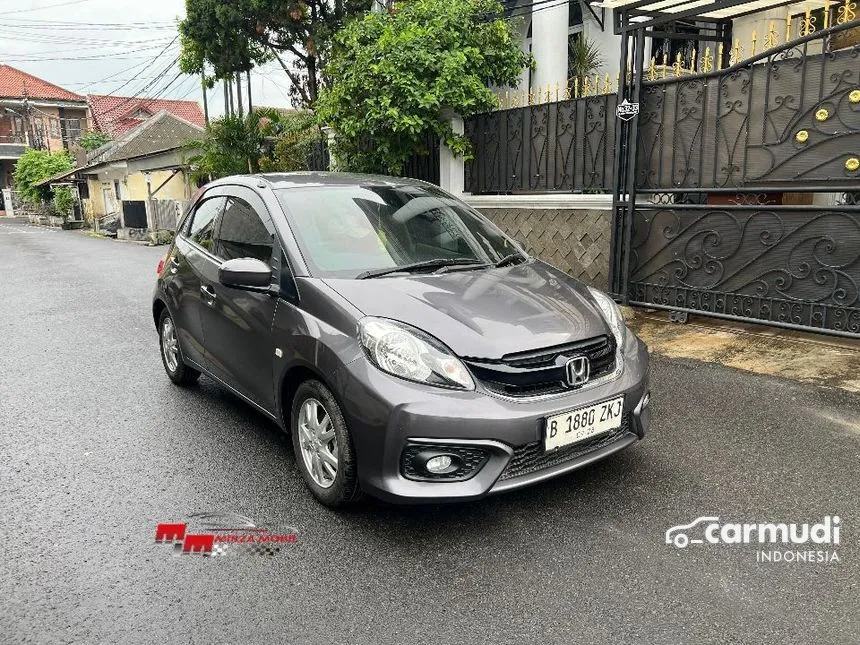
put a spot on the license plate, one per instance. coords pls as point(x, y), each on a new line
point(580, 424)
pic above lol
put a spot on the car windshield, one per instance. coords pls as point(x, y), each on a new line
point(348, 230)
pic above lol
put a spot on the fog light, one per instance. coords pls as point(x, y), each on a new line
point(646, 400)
point(438, 464)
point(424, 462)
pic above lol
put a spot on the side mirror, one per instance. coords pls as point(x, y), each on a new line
point(245, 273)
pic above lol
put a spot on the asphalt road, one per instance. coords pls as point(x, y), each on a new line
point(97, 446)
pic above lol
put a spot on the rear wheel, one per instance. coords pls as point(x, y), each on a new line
point(171, 352)
point(323, 445)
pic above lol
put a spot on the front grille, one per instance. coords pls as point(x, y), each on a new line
point(543, 371)
point(532, 458)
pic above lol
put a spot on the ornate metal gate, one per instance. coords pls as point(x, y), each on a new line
point(737, 189)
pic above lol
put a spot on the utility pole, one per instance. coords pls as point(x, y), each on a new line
point(25, 115)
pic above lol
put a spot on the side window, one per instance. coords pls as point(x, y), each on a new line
point(202, 222)
point(242, 233)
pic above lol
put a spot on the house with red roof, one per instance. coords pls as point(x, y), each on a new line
point(35, 114)
point(115, 115)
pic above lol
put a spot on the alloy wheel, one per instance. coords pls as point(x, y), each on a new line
point(318, 442)
point(169, 345)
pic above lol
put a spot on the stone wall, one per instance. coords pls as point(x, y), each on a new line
point(574, 240)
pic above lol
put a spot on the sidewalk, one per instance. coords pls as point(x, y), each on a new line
point(806, 357)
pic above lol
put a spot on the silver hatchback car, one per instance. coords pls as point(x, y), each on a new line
point(414, 351)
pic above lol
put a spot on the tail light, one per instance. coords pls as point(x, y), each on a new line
point(161, 265)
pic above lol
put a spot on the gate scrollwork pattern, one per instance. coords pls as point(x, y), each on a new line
point(798, 266)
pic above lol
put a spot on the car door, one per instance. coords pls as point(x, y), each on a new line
point(237, 323)
point(187, 265)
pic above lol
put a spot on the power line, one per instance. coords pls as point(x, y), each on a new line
point(529, 10)
point(60, 39)
point(84, 84)
point(151, 63)
point(50, 6)
point(127, 100)
point(78, 27)
point(111, 55)
point(122, 71)
point(87, 23)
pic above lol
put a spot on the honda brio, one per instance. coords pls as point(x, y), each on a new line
point(413, 350)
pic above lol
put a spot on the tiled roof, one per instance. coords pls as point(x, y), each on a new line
point(115, 115)
point(161, 132)
point(14, 84)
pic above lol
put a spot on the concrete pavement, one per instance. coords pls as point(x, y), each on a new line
point(97, 446)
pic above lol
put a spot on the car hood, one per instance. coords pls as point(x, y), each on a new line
point(484, 313)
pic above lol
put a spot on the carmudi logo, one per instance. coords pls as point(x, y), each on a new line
point(779, 540)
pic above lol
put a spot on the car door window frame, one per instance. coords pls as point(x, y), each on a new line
point(288, 291)
point(264, 218)
point(185, 230)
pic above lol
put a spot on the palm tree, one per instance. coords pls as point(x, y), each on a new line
point(583, 59)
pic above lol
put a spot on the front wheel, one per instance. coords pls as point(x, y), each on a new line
point(171, 352)
point(323, 445)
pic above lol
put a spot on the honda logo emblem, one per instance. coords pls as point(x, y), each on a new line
point(578, 371)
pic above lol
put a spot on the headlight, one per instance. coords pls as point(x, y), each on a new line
point(611, 314)
point(409, 353)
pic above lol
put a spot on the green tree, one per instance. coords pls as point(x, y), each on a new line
point(35, 166)
point(233, 145)
point(229, 36)
point(93, 139)
point(395, 75)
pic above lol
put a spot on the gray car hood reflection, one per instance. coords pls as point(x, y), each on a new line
point(484, 313)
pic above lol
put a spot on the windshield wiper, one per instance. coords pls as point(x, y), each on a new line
point(513, 258)
point(417, 266)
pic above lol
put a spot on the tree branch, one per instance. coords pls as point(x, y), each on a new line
point(293, 78)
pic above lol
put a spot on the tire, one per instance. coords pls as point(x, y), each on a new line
point(335, 490)
point(174, 364)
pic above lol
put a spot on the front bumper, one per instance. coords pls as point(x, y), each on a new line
point(386, 414)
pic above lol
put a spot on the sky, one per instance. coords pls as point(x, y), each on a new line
point(114, 47)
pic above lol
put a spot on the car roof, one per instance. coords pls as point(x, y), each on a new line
point(284, 180)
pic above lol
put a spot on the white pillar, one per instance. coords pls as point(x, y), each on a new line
point(452, 168)
point(549, 43)
point(331, 142)
point(607, 42)
point(525, 46)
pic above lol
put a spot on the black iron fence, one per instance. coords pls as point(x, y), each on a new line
point(742, 200)
point(780, 119)
point(423, 164)
point(564, 146)
point(794, 266)
point(787, 116)
point(318, 157)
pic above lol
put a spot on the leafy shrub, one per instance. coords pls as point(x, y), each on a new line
point(395, 75)
point(36, 166)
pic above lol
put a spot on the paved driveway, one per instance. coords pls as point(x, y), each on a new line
point(96, 447)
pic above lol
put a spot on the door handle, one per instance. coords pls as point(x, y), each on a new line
point(208, 293)
point(174, 262)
